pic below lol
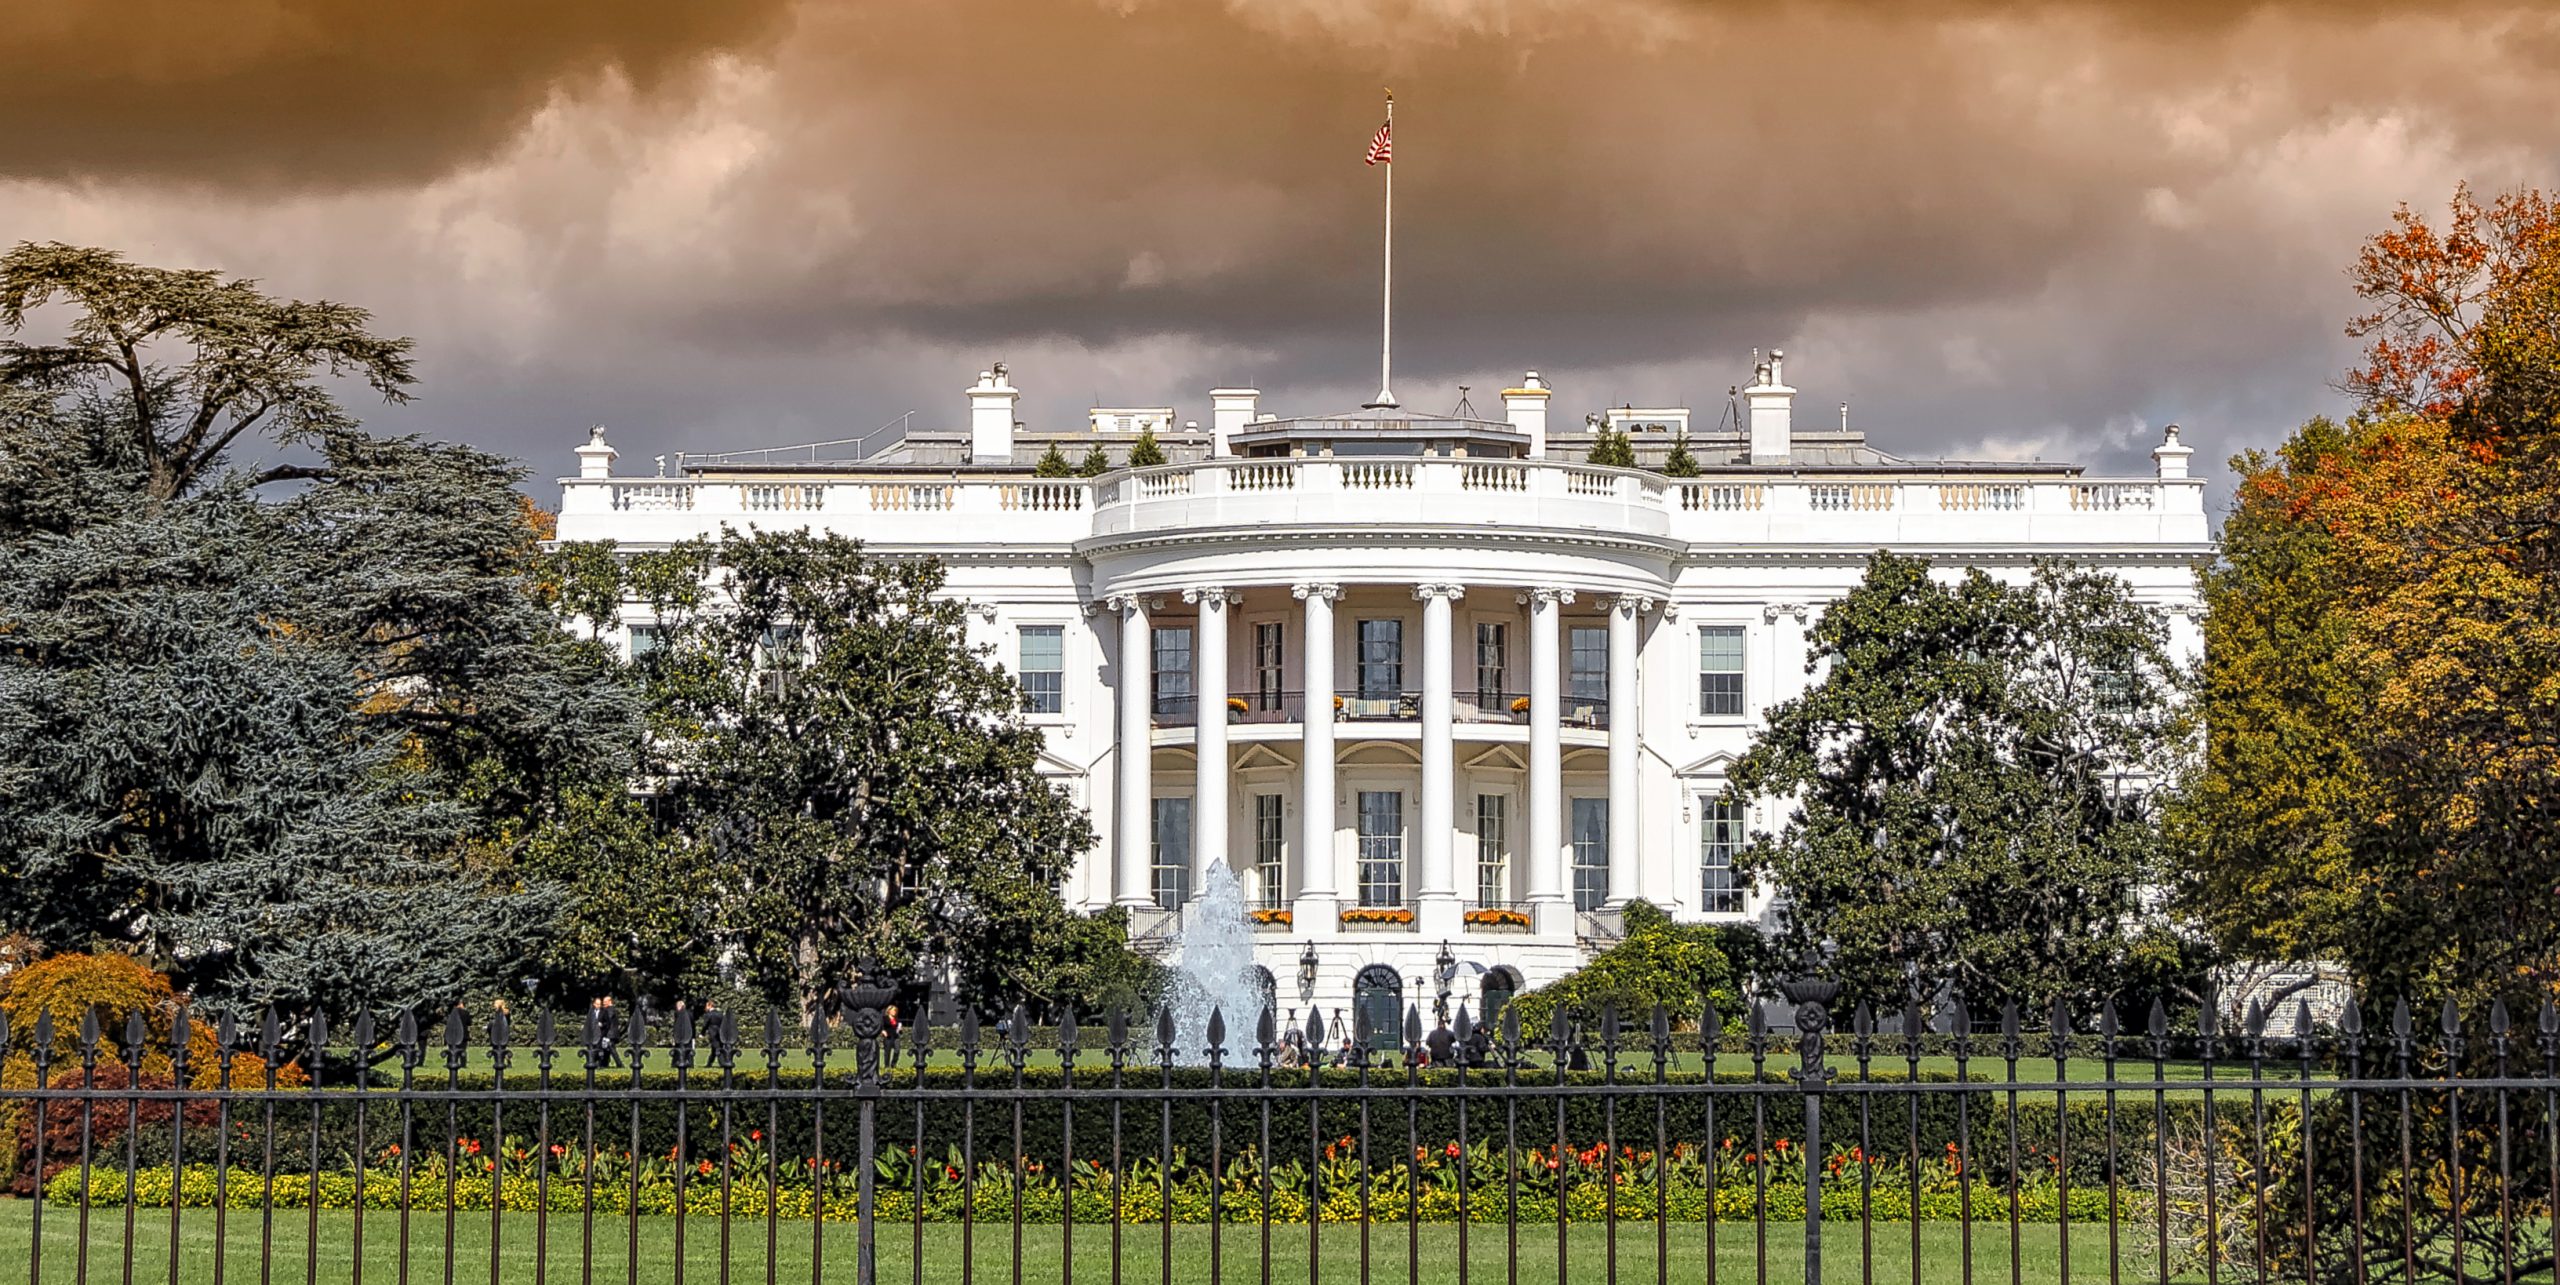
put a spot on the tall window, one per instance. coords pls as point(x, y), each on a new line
point(1044, 668)
point(1170, 846)
point(1590, 853)
point(646, 639)
point(1271, 850)
point(1381, 659)
point(1720, 671)
point(1173, 672)
point(779, 655)
point(1493, 849)
point(1493, 655)
point(1381, 848)
point(1586, 691)
point(1719, 842)
point(1270, 665)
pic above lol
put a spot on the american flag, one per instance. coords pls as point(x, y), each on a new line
point(1378, 147)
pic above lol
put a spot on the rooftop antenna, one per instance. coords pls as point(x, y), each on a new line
point(1466, 409)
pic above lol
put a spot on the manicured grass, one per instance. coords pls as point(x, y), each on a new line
point(1144, 1256)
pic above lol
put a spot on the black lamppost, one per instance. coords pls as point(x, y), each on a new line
point(1307, 963)
point(1445, 968)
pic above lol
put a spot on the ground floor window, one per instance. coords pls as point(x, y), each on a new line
point(1171, 849)
point(1590, 853)
point(1493, 849)
point(1719, 842)
point(1270, 851)
point(1381, 848)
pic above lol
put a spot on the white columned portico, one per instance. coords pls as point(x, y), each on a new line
point(1549, 907)
point(1314, 907)
point(1626, 618)
point(1137, 754)
point(1209, 683)
point(1436, 885)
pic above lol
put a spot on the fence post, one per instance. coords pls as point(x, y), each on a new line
point(1813, 1073)
point(864, 1020)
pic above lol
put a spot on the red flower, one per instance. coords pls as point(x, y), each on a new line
point(950, 1173)
point(1782, 1144)
point(1453, 1151)
point(757, 1135)
point(704, 1167)
point(1750, 1158)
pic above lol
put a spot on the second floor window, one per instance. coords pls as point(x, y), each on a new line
point(1381, 659)
point(1587, 665)
point(646, 639)
point(1381, 848)
point(1172, 675)
point(1271, 850)
point(1493, 849)
point(1044, 669)
point(778, 657)
point(1720, 671)
point(1493, 655)
point(1270, 665)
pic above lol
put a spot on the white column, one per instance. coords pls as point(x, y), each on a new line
point(1137, 753)
point(1551, 909)
point(1625, 719)
point(1209, 681)
point(1435, 882)
point(1314, 905)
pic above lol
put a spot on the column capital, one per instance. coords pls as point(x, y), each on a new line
point(1211, 596)
point(1548, 594)
point(1126, 602)
point(1774, 610)
point(1328, 592)
point(1426, 592)
point(1629, 604)
point(984, 611)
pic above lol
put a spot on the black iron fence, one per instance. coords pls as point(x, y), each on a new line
point(679, 1146)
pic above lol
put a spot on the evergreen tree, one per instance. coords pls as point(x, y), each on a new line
point(1053, 463)
point(1144, 453)
point(285, 744)
point(1961, 812)
point(1611, 448)
point(1095, 463)
point(859, 776)
point(1680, 463)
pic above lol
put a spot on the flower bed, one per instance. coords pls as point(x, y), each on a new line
point(1691, 1183)
point(1391, 915)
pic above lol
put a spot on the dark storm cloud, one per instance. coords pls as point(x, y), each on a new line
point(321, 92)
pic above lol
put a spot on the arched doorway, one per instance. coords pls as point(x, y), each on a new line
point(1377, 1001)
point(1500, 984)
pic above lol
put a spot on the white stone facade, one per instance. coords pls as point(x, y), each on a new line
point(1528, 674)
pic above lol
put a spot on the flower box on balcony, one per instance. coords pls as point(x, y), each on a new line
point(1272, 918)
point(1382, 916)
point(1495, 917)
point(1519, 704)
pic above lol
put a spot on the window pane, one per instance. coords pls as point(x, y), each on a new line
point(1719, 842)
point(1171, 848)
point(1044, 650)
point(1270, 850)
point(1493, 849)
point(1381, 659)
point(1720, 670)
point(644, 640)
point(1492, 655)
point(1270, 666)
point(1381, 848)
point(1588, 675)
point(1590, 853)
point(1172, 677)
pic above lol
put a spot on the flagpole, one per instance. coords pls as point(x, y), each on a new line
point(1387, 288)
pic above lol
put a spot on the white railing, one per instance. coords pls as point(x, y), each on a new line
point(963, 509)
point(1721, 497)
point(1983, 497)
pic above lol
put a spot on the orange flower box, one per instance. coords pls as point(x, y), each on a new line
point(1376, 915)
point(1492, 917)
point(1283, 918)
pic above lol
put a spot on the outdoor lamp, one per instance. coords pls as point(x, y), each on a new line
point(1447, 966)
point(1307, 970)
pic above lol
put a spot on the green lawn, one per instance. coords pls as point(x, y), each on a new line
point(1143, 1254)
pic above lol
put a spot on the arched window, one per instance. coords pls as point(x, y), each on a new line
point(1377, 997)
point(1500, 985)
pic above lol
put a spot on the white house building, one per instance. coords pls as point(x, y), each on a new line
point(1441, 695)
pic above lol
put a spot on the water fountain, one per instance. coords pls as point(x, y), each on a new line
point(1213, 969)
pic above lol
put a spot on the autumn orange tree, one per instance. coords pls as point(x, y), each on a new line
point(2381, 691)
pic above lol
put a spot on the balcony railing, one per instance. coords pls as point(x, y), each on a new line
point(961, 508)
point(1352, 705)
point(1495, 706)
point(1585, 711)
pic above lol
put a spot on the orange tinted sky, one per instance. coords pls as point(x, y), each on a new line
point(1996, 228)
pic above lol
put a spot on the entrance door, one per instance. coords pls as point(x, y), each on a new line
point(1377, 996)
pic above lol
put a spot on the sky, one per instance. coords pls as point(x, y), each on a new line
point(1995, 228)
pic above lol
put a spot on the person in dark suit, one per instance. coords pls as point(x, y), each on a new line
point(1441, 1044)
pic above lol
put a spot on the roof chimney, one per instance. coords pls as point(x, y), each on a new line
point(1526, 408)
point(595, 459)
point(1230, 409)
point(991, 417)
point(2170, 455)
point(1772, 411)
